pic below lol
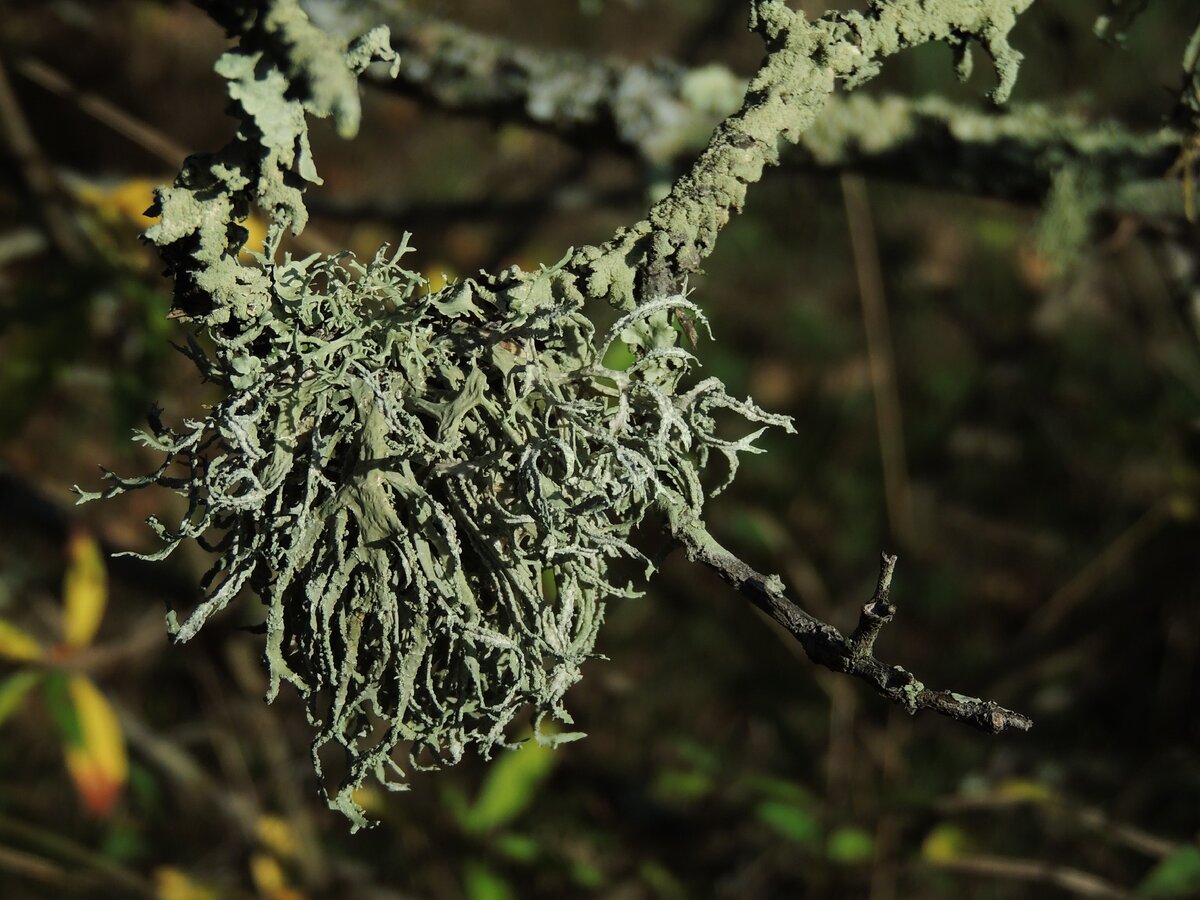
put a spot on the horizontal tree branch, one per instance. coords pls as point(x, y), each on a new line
point(653, 258)
point(1035, 871)
point(663, 112)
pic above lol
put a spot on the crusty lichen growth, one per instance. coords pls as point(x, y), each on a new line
point(664, 113)
point(283, 69)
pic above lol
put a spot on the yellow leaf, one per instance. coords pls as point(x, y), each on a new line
point(1022, 790)
point(85, 590)
point(371, 800)
point(270, 880)
point(276, 835)
point(124, 204)
point(257, 233)
point(945, 843)
point(16, 645)
point(98, 764)
point(172, 884)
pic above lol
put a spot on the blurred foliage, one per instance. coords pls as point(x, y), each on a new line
point(1050, 418)
point(92, 742)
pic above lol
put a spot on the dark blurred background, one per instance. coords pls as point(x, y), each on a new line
point(1044, 507)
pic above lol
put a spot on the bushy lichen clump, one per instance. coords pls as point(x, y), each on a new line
point(427, 490)
point(427, 494)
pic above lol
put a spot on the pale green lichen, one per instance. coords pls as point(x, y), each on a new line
point(1065, 227)
point(428, 491)
point(283, 69)
point(911, 691)
point(395, 474)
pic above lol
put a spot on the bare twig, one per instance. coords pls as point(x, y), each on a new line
point(135, 130)
point(804, 64)
point(888, 418)
point(180, 767)
point(273, 744)
point(827, 646)
point(39, 175)
point(1064, 600)
point(1073, 881)
point(1089, 817)
point(107, 113)
point(1123, 833)
point(138, 645)
point(36, 868)
point(131, 883)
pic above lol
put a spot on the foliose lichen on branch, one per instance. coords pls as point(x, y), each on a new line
point(426, 490)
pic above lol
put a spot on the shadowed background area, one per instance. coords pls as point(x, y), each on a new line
point(983, 323)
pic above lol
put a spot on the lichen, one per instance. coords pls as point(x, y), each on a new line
point(428, 490)
point(396, 475)
point(911, 690)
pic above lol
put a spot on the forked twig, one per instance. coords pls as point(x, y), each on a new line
point(827, 646)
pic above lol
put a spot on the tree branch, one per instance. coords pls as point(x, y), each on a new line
point(653, 258)
point(827, 646)
point(804, 64)
point(663, 112)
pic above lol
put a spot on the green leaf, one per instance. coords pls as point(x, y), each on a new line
point(124, 842)
point(793, 822)
point(698, 755)
point(13, 690)
point(519, 847)
point(619, 357)
point(660, 880)
point(549, 586)
point(1176, 876)
point(587, 874)
point(674, 785)
point(772, 788)
point(62, 709)
point(482, 883)
point(850, 845)
point(454, 801)
point(511, 784)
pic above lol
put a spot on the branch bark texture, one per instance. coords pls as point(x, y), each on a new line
point(663, 112)
point(825, 645)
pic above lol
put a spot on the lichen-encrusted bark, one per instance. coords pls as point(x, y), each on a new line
point(804, 62)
